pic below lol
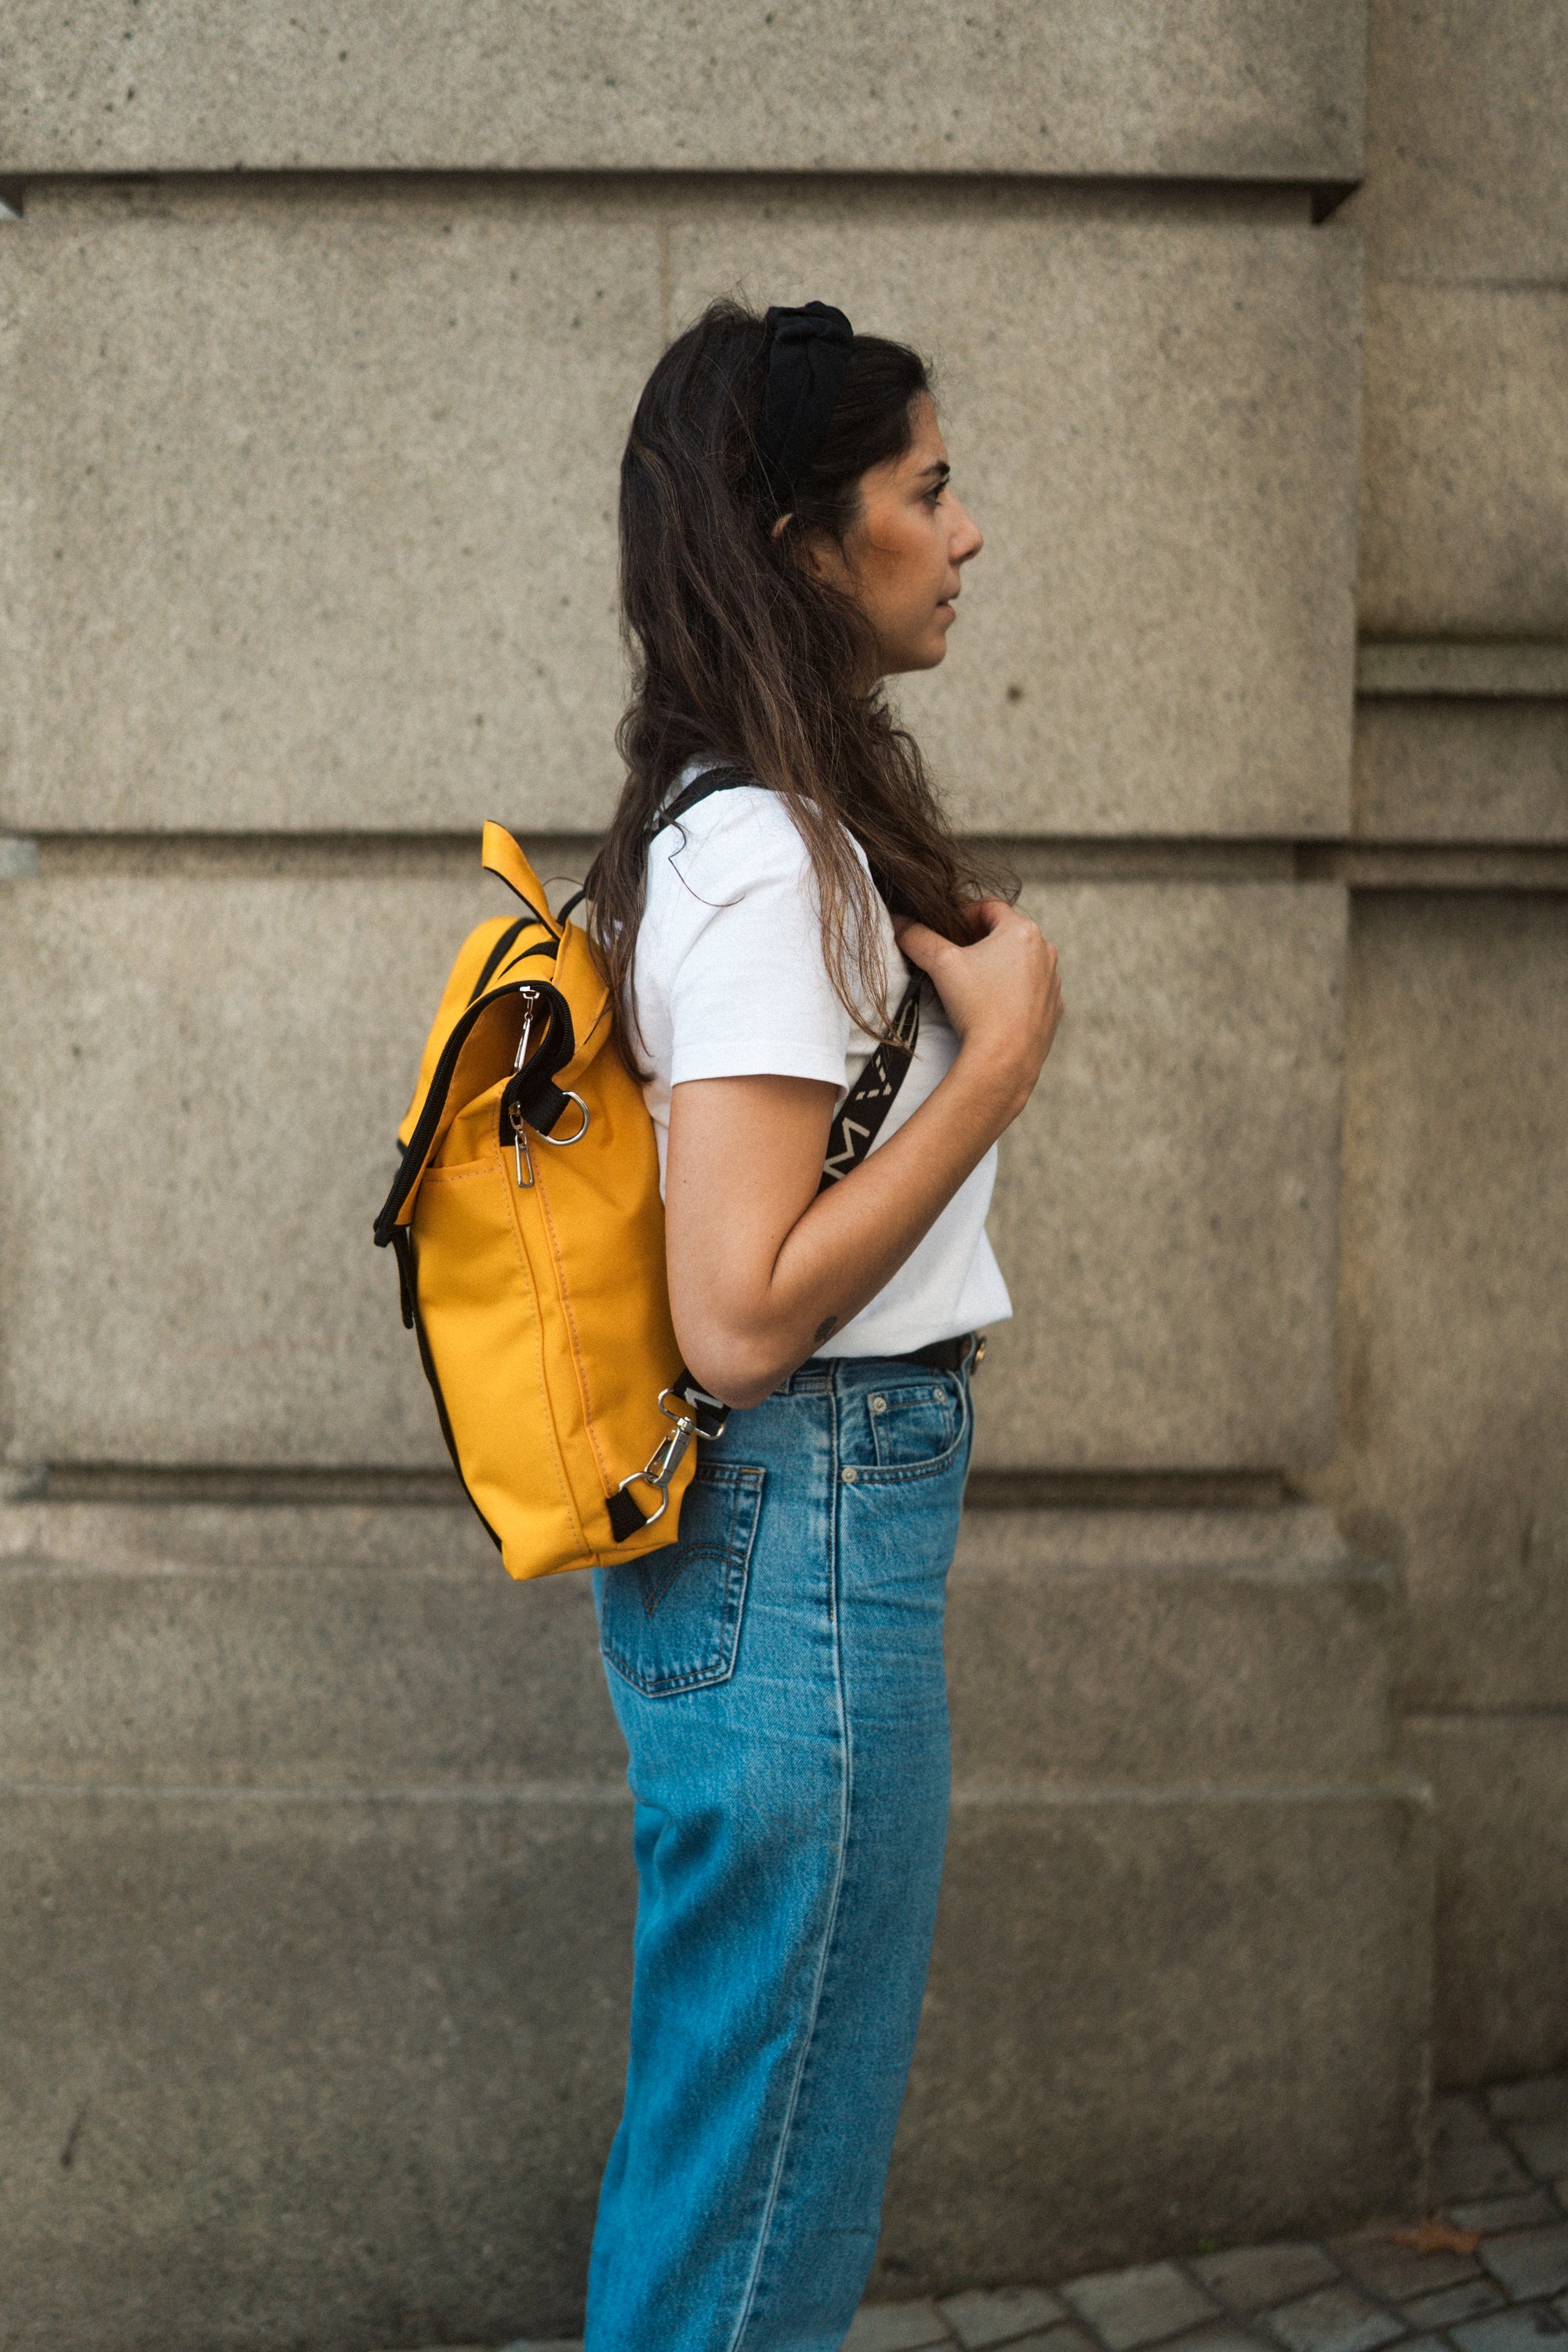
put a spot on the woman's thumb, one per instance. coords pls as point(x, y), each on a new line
point(920, 943)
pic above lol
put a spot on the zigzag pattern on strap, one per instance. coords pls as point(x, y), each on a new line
point(859, 1117)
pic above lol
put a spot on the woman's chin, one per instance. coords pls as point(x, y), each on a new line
point(922, 653)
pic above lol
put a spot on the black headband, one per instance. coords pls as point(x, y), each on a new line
point(806, 363)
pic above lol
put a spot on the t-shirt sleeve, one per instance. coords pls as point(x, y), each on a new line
point(748, 990)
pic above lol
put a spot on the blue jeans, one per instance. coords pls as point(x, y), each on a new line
point(778, 1675)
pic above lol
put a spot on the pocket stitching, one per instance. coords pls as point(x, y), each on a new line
point(901, 1474)
point(746, 1482)
point(916, 1398)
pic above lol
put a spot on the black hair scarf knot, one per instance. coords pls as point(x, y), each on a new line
point(807, 359)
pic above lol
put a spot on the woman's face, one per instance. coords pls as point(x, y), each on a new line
point(902, 558)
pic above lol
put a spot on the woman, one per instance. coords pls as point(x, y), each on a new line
point(788, 540)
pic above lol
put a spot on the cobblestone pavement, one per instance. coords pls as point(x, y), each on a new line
point(1499, 2172)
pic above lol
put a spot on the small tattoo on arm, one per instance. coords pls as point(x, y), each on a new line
point(829, 1323)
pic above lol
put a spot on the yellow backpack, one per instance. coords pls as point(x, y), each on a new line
point(529, 1232)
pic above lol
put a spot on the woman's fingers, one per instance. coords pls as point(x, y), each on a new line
point(991, 914)
point(921, 943)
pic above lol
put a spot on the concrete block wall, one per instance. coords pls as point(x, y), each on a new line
point(317, 341)
point(315, 1834)
point(1453, 1353)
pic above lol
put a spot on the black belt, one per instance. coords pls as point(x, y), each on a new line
point(945, 1355)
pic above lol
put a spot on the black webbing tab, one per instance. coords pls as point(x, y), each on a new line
point(625, 1517)
point(540, 1102)
point(402, 1252)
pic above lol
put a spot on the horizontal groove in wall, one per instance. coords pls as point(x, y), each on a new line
point(1433, 865)
point(262, 855)
point(1474, 669)
point(1128, 1490)
point(564, 857)
point(1402, 1787)
point(124, 1481)
point(1290, 201)
point(1438, 1718)
point(129, 1482)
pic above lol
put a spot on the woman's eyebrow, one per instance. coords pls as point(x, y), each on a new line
point(940, 471)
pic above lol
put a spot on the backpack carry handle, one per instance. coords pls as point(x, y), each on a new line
point(500, 856)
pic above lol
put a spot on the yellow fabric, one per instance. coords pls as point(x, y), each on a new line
point(545, 1307)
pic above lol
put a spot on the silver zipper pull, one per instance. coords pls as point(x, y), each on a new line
point(529, 1001)
point(521, 1154)
point(519, 1149)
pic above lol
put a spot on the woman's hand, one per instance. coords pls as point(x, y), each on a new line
point(1002, 994)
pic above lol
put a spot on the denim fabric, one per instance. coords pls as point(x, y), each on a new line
point(778, 1675)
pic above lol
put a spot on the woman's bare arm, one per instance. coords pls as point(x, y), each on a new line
point(763, 1268)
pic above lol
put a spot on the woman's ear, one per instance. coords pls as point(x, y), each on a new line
point(822, 556)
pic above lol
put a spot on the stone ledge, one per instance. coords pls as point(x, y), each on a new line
point(349, 1649)
point(1263, 90)
point(1464, 529)
point(1501, 1783)
point(1475, 771)
point(242, 2014)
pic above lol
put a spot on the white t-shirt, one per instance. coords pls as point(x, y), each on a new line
point(729, 982)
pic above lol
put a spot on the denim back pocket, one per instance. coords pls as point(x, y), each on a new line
point(672, 1621)
point(914, 1426)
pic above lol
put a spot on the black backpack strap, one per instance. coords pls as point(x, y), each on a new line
point(857, 1121)
point(713, 779)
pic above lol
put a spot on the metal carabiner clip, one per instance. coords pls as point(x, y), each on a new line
point(682, 1411)
point(662, 1465)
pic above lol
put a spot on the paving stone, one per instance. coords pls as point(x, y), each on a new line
point(1469, 2159)
point(1395, 2272)
point(1228, 2335)
point(1249, 2277)
point(1543, 2146)
point(1534, 2263)
point(1543, 2098)
point(896, 2328)
point(1509, 2331)
point(1465, 2301)
point(988, 2316)
point(1067, 2335)
point(1521, 2212)
point(1139, 2307)
point(1335, 2319)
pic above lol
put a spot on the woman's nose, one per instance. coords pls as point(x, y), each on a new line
point(970, 539)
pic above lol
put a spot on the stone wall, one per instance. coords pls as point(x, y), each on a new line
point(318, 337)
point(1453, 1464)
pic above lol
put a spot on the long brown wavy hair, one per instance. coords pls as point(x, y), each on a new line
point(741, 654)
